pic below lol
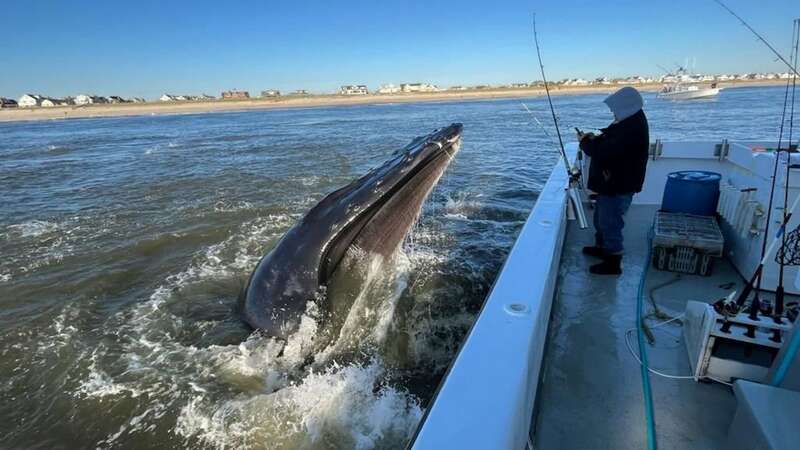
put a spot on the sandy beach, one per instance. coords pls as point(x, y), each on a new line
point(199, 107)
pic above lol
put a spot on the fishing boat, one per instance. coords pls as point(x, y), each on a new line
point(679, 91)
point(551, 361)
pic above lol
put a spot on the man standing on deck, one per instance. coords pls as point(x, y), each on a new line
point(616, 173)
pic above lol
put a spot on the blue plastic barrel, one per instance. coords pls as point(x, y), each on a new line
point(692, 192)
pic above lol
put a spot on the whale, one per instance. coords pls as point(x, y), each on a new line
point(370, 216)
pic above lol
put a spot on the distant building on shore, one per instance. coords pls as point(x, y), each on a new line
point(519, 85)
point(418, 87)
point(235, 94)
point(138, 100)
point(51, 102)
point(8, 103)
point(388, 89)
point(354, 90)
point(457, 88)
point(270, 93)
point(30, 100)
point(300, 92)
point(181, 98)
point(117, 99)
point(84, 99)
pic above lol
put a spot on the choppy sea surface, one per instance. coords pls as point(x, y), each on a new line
point(125, 243)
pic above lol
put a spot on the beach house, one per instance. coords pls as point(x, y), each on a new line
point(235, 94)
point(48, 102)
point(418, 87)
point(83, 99)
point(388, 89)
point(300, 92)
point(354, 90)
point(270, 93)
point(7, 103)
point(117, 99)
point(30, 100)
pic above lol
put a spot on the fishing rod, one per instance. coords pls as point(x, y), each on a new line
point(766, 252)
point(791, 67)
point(553, 141)
point(779, 292)
point(573, 173)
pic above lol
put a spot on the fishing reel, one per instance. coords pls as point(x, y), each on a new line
point(727, 306)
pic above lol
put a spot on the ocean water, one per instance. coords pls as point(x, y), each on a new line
point(125, 243)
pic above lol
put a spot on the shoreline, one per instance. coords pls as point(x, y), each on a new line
point(314, 101)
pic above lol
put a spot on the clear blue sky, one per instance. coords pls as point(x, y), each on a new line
point(145, 48)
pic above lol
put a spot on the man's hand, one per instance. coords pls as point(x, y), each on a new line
point(581, 136)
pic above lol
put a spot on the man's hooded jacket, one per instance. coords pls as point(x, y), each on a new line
point(619, 154)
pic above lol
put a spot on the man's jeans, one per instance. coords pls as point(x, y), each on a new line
point(608, 223)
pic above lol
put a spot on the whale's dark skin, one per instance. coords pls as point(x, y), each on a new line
point(373, 213)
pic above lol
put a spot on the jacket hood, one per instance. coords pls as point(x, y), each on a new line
point(624, 103)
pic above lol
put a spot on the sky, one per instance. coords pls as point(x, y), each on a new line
point(146, 48)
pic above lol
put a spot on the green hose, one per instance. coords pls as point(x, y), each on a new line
point(648, 395)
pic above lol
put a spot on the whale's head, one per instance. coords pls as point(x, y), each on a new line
point(373, 213)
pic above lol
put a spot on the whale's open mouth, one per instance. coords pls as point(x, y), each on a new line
point(381, 227)
point(373, 213)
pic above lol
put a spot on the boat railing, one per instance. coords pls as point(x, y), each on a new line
point(486, 398)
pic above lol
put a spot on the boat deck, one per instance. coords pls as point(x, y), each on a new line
point(591, 389)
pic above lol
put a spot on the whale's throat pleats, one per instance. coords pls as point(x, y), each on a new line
point(388, 227)
point(382, 229)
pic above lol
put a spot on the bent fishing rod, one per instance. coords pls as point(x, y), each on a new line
point(573, 173)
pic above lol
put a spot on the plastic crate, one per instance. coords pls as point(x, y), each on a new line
point(686, 243)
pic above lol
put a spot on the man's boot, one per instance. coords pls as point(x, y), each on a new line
point(595, 251)
point(611, 265)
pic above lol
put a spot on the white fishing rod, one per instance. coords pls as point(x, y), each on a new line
point(573, 173)
point(553, 141)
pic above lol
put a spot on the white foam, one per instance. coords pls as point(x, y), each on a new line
point(98, 383)
point(347, 407)
point(224, 206)
point(32, 228)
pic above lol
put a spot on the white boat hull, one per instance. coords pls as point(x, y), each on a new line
point(690, 95)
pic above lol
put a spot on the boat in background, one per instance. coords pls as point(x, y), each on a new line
point(681, 90)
